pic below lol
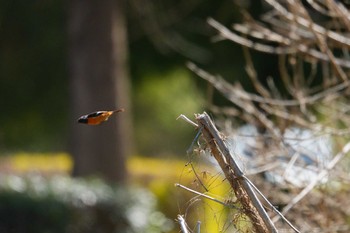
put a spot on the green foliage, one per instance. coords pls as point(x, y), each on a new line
point(62, 204)
point(34, 83)
point(22, 213)
point(159, 100)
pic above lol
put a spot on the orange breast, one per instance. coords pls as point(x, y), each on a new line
point(99, 119)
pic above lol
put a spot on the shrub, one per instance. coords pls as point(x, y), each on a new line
point(62, 204)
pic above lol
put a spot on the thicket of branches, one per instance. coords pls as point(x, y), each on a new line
point(311, 40)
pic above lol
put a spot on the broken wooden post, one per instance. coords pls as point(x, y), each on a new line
point(252, 207)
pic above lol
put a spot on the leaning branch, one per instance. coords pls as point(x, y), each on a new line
point(244, 192)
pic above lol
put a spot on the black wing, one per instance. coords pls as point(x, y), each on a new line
point(84, 119)
point(94, 114)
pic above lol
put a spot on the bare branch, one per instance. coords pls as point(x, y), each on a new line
point(227, 34)
point(205, 196)
point(182, 223)
point(244, 193)
point(309, 24)
point(314, 182)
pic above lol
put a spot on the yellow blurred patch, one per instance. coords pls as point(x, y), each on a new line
point(158, 175)
point(41, 162)
point(165, 168)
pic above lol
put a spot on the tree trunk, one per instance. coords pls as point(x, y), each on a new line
point(98, 69)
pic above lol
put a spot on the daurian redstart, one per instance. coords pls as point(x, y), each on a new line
point(96, 118)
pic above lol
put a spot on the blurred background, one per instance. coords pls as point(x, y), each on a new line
point(63, 59)
point(60, 60)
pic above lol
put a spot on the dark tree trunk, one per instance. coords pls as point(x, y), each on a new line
point(98, 58)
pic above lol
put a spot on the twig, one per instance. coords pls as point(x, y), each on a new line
point(185, 118)
point(244, 192)
point(314, 182)
point(204, 195)
point(229, 35)
point(236, 96)
point(306, 23)
point(182, 223)
point(198, 227)
point(190, 149)
point(197, 177)
point(272, 206)
point(223, 86)
point(323, 45)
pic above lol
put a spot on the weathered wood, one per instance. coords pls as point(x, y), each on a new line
point(243, 190)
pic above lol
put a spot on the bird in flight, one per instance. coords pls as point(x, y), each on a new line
point(96, 118)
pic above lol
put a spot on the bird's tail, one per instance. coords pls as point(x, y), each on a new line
point(118, 110)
